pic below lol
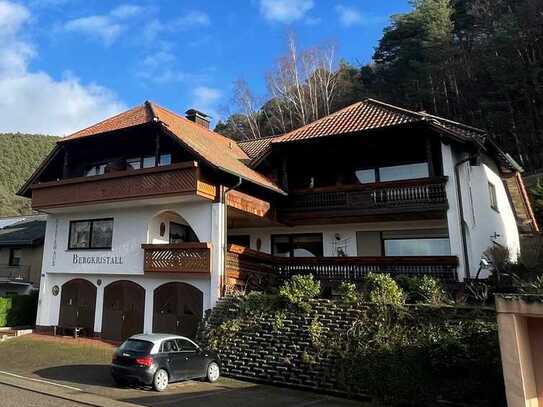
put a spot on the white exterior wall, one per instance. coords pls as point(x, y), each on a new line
point(483, 224)
point(132, 226)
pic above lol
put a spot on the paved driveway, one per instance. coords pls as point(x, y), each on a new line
point(84, 367)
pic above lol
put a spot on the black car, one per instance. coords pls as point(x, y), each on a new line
point(157, 359)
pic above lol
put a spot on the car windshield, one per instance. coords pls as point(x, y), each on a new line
point(135, 345)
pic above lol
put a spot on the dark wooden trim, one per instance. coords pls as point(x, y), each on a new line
point(189, 245)
point(116, 174)
point(374, 185)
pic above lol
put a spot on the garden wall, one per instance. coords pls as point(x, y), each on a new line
point(409, 355)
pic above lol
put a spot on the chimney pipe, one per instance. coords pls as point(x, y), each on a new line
point(198, 117)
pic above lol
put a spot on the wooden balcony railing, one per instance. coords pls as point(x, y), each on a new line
point(242, 262)
point(175, 179)
point(381, 197)
point(14, 273)
point(189, 258)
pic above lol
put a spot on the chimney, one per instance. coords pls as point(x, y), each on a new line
point(198, 117)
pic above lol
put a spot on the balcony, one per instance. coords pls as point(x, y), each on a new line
point(192, 259)
point(20, 274)
point(427, 196)
point(177, 179)
point(244, 264)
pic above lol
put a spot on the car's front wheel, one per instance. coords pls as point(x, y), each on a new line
point(213, 372)
point(160, 381)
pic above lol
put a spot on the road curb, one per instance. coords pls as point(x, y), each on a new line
point(57, 391)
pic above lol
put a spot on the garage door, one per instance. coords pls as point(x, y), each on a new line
point(124, 305)
point(77, 305)
point(178, 309)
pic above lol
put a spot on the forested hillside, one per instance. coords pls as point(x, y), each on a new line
point(474, 61)
point(20, 155)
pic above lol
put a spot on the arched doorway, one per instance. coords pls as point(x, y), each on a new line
point(178, 309)
point(124, 306)
point(77, 304)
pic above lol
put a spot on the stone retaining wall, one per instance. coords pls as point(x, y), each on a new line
point(282, 351)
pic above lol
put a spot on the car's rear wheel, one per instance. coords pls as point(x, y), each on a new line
point(160, 380)
point(213, 372)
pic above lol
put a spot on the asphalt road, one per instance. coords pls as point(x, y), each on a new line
point(16, 397)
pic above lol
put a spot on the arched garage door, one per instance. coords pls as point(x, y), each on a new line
point(124, 305)
point(77, 305)
point(178, 309)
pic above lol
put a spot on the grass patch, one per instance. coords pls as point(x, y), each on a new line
point(27, 354)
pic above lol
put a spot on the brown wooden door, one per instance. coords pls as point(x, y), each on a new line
point(124, 306)
point(77, 305)
point(178, 309)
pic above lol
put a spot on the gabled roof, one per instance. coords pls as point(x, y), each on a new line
point(256, 148)
point(372, 114)
point(23, 234)
point(213, 148)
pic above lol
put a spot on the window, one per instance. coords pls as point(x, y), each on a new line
point(91, 234)
point(136, 345)
point(181, 233)
point(493, 198)
point(98, 169)
point(165, 159)
point(240, 240)
point(133, 163)
point(15, 257)
point(416, 243)
point(302, 245)
point(401, 172)
point(169, 346)
point(366, 176)
point(148, 161)
point(186, 346)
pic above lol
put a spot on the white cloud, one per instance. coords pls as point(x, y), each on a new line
point(205, 99)
point(34, 102)
point(285, 11)
point(126, 11)
point(106, 27)
point(192, 19)
point(100, 26)
point(348, 16)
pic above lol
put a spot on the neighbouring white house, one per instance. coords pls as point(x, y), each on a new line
point(151, 216)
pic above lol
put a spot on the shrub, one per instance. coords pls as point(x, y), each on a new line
point(299, 290)
point(348, 293)
point(18, 310)
point(382, 289)
point(423, 290)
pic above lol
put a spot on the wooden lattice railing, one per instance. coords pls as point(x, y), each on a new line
point(190, 258)
point(243, 263)
point(409, 194)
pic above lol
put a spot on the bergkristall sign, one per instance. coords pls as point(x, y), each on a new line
point(76, 259)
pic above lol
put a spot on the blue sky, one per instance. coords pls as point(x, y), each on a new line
point(65, 64)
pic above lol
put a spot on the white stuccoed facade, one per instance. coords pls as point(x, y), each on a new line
point(132, 226)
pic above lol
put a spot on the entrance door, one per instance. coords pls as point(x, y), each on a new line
point(77, 305)
point(178, 309)
point(124, 305)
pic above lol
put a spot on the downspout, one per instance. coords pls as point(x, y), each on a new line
point(224, 196)
point(461, 213)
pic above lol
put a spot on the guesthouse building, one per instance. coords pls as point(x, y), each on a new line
point(152, 216)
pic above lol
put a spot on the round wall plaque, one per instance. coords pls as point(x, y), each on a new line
point(99, 281)
point(55, 290)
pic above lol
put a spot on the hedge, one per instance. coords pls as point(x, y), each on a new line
point(18, 310)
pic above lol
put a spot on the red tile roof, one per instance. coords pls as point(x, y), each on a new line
point(256, 148)
point(217, 150)
point(367, 115)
